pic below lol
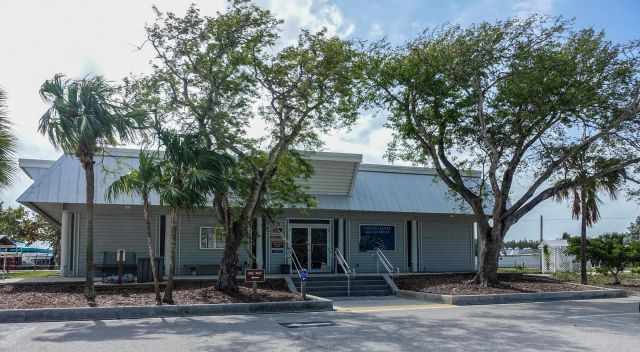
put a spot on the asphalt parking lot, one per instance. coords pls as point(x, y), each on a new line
point(390, 324)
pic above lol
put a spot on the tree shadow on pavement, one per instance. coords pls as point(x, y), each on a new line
point(353, 332)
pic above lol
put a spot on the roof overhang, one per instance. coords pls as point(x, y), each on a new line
point(333, 173)
point(34, 167)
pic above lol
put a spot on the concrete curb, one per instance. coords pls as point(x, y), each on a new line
point(463, 300)
point(138, 312)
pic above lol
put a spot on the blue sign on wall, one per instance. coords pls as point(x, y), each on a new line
point(377, 236)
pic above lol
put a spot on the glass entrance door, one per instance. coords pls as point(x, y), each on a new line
point(310, 243)
point(319, 249)
point(300, 245)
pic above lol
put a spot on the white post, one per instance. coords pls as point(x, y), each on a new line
point(259, 258)
point(65, 232)
point(341, 236)
point(414, 246)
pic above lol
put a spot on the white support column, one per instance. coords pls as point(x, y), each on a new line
point(341, 236)
point(259, 257)
point(65, 232)
point(414, 246)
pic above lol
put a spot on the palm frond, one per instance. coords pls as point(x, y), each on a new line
point(82, 115)
point(7, 145)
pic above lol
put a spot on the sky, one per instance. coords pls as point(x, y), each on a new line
point(39, 38)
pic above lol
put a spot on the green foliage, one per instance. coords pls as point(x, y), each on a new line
point(633, 230)
point(21, 224)
point(547, 257)
point(189, 173)
point(518, 99)
point(7, 145)
point(521, 244)
point(610, 253)
point(141, 181)
point(84, 115)
point(211, 73)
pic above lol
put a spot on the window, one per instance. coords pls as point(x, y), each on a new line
point(212, 237)
point(373, 237)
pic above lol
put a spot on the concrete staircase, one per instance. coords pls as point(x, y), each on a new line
point(336, 286)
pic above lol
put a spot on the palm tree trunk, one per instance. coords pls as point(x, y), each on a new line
point(583, 240)
point(147, 221)
point(89, 290)
point(173, 233)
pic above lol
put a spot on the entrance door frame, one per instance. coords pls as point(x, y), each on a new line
point(309, 226)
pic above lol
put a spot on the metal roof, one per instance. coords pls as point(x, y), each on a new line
point(385, 191)
point(379, 188)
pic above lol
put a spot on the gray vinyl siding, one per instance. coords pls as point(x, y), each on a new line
point(445, 242)
point(114, 227)
point(189, 251)
point(446, 246)
point(366, 262)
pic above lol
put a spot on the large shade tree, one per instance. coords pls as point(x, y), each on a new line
point(83, 117)
point(512, 99)
point(142, 181)
point(210, 70)
point(7, 144)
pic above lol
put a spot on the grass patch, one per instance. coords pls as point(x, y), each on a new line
point(26, 274)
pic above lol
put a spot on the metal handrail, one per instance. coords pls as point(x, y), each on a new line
point(348, 271)
point(386, 263)
point(298, 267)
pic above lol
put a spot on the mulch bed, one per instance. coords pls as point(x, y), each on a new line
point(509, 283)
point(71, 295)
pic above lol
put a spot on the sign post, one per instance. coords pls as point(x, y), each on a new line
point(254, 276)
point(304, 275)
point(120, 258)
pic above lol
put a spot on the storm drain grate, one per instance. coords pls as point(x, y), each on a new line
point(307, 324)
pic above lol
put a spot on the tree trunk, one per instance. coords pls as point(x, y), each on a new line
point(488, 262)
point(56, 248)
point(168, 290)
point(147, 221)
point(89, 290)
point(583, 241)
point(616, 278)
point(231, 260)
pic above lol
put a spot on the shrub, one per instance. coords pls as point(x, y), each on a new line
point(611, 253)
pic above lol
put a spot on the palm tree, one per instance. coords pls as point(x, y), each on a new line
point(81, 119)
point(7, 144)
point(189, 174)
point(142, 181)
point(584, 200)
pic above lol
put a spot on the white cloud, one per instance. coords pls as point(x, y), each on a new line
point(491, 10)
point(376, 31)
point(525, 8)
point(310, 14)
